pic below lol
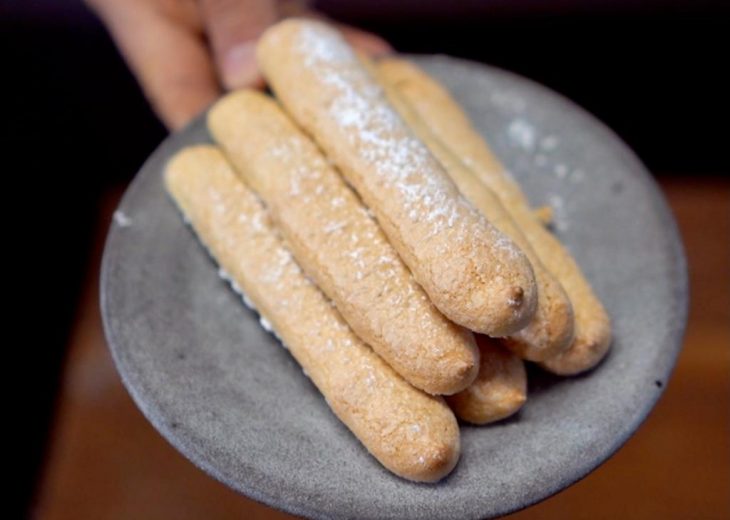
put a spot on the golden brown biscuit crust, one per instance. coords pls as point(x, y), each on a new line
point(411, 433)
point(451, 125)
point(473, 273)
point(550, 331)
point(340, 246)
point(500, 389)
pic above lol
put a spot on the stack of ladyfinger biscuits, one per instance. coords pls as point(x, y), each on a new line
point(373, 229)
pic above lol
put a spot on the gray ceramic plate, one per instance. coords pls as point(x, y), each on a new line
point(224, 392)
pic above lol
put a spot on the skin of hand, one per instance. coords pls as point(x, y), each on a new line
point(185, 53)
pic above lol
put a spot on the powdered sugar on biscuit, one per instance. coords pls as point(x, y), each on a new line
point(381, 139)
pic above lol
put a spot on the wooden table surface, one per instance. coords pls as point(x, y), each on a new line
point(107, 462)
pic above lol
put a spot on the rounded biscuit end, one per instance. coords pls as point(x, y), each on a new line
point(434, 463)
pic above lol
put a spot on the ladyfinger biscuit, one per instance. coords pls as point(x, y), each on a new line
point(413, 434)
point(550, 331)
point(451, 125)
point(500, 389)
point(473, 273)
point(340, 246)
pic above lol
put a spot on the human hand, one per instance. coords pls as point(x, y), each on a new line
point(185, 53)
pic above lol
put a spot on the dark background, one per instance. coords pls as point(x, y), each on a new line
point(75, 125)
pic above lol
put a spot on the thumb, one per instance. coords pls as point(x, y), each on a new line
point(233, 26)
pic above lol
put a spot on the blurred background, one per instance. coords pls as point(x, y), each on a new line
point(76, 128)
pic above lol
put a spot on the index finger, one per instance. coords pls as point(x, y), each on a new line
point(168, 56)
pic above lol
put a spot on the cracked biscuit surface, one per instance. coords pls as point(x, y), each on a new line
point(471, 271)
point(447, 120)
point(411, 433)
point(550, 331)
point(499, 390)
point(340, 246)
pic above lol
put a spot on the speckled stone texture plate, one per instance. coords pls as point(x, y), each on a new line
point(231, 399)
